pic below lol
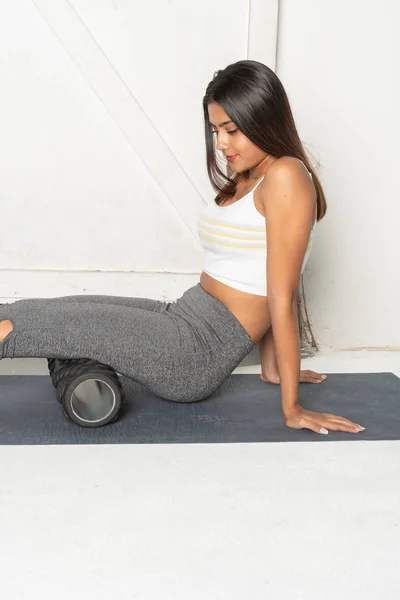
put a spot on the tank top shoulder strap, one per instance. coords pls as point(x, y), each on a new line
point(257, 184)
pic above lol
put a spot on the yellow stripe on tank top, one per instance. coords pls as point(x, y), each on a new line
point(233, 227)
point(238, 238)
point(232, 245)
point(258, 247)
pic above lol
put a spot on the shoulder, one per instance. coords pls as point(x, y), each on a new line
point(287, 189)
point(287, 169)
point(286, 176)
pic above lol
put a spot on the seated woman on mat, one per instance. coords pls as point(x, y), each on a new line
point(256, 236)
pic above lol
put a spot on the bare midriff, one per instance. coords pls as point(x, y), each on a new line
point(250, 310)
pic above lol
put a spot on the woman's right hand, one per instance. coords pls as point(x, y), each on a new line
point(299, 418)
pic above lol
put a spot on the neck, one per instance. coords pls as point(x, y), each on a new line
point(262, 167)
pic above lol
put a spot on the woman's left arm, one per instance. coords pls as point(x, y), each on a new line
point(288, 202)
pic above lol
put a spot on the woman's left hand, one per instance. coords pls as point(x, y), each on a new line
point(305, 377)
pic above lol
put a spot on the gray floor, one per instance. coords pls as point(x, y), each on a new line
point(216, 521)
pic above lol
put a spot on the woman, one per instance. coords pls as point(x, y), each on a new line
point(184, 350)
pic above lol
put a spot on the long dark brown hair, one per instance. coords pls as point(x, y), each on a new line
point(254, 98)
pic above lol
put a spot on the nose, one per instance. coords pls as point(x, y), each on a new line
point(222, 143)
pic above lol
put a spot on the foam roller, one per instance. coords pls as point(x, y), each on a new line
point(90, 393)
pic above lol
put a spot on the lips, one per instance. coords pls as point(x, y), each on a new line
point(230, 158)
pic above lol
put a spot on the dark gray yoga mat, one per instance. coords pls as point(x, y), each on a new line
point(243, 409)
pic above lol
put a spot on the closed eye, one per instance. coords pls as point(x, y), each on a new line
point(230, 132)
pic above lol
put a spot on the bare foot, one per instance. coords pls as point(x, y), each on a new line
point(305, 377)
point(5, 328)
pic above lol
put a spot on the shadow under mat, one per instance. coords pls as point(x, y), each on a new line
point(243, 409)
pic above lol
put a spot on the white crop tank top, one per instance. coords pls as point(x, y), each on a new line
point(235, 244)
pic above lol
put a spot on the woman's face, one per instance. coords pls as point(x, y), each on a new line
point(231, 141)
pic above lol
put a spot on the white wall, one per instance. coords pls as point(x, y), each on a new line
point(102, 152)
point(102, 161)
point(339, 62)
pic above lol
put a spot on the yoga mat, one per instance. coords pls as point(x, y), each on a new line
point(242, 409)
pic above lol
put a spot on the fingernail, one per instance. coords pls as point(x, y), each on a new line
point(324, 376)
point(362, 428)
point(323, 430)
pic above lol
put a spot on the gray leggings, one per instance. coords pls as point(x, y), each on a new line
point(181, 351)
